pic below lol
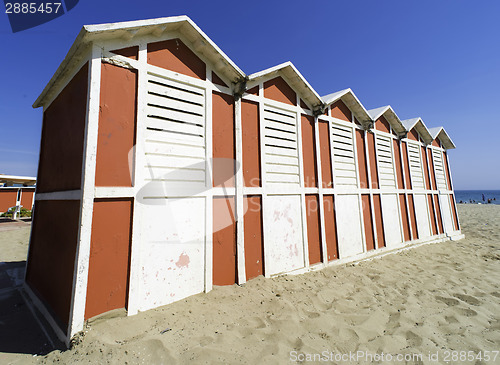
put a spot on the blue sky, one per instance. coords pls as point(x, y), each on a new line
point(438, 60)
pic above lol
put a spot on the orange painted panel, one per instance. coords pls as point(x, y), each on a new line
point(224, 242)
point(435, 143)
point(373, 160)
point(117, 122)
point(254, 243)
point(223, 139)
point(381, 124)
point(330, 228)
point(407, 165)
point(175, 56)
point(251, 143)
point(379, 221)
point(303, 104)
point(399, 165)
point(425, 166)
point(432, 213)
point(52, 255)
point(413, 135)
point(313, 229)
point(363, 170)
point(340, 111)
point(431, 167)
point(254, 90)
point(455, 213)
point(8, 198)
point(447, 170)
point(27, 199)
point(278, 89)
point(404, 217)
point(61, 149)
point(108, 277)
point(217, 80)
point(130, 52)
point(437, 206)
point(413, 219)
point(309, 152)
point(367, 220)
point(326, 157)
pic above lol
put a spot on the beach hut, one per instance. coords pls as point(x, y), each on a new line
point(16, 192)
point(170, 170)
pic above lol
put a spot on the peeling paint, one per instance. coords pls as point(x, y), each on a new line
point(183, 260)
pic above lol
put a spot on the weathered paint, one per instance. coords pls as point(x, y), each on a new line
point(283, 234)
point(341, 111)
point(426, 168)
point(392, 227)
point(325, 155)
point(432, 213)
point(224, 241)
point(373, 160)
point(278, 89)
point(52, 255)
point(330, 228)
point(367, 220)
point(379, 221)
point(348, 225)
point(130, 52)
point(309, 151)
point(381, 124)
point(117, 121)
point(407, 166)
point(217, 80)
point(398, 163)
point(447, 171)
point(362, 167)
point(254, 244)
point(404, 217)
point(223, 138)
point(175, 56)
point(109, 256)
point(313, 229)
point(431, 167)
point(251, 143)
point(61, 149)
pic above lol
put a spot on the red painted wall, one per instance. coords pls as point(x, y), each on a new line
point(61, 150)
point(224, 242)
point(326, 157)
point(313, 229)
point(383, 125)
point(109, 256)
point(379, 220)
point(367, 220)
point(399, 164)
point(330, 228)
point(251, 143)
point(432, 213)
point(373, 160)
point(340, 111)
point(130, 52)
point(447, 170)
point(431, 167)
point(407, 165)
point(254, 244)
point(27, 198)
point(223, 139)
point(8, 199)
point(437, 206)
point(413, 219)
point(278, 89)
point(425, 166)
point(175, 56)
point(117, 124)
point(52, 255)
point(363, 169)
point(404, 217)
point(309, 152)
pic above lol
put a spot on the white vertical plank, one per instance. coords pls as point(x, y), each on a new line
point(138, 182)
point(209, 185)
point(320, 191)
point(80, 276)
point(240, 236)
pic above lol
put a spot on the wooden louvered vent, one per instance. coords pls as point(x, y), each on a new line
point(281, 147)
point(385, 162)
point(437, 158)
point(344, 161)
point(175, 133)
point(415, 161)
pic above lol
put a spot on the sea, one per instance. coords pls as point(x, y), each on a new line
point(476, 196)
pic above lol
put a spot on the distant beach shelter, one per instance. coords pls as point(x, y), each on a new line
point(170, 170)
point(16, 192)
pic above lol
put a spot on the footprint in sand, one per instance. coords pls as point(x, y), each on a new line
point(451, 319)
point(465, 312)
point(413, 339)
point(496, 294)
point(467, 299)
point(450, 302)
point(312, 314)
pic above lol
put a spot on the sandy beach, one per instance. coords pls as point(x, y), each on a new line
point(430, 300)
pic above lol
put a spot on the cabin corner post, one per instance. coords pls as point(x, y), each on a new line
point(80, 276)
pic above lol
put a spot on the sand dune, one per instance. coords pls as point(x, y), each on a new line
point(433, 298)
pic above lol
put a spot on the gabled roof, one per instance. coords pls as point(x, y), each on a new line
point(129, 30)
point(440, 132)
point(390, 115)
point(296, 80)
point(421, 128)
point(349, 98)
